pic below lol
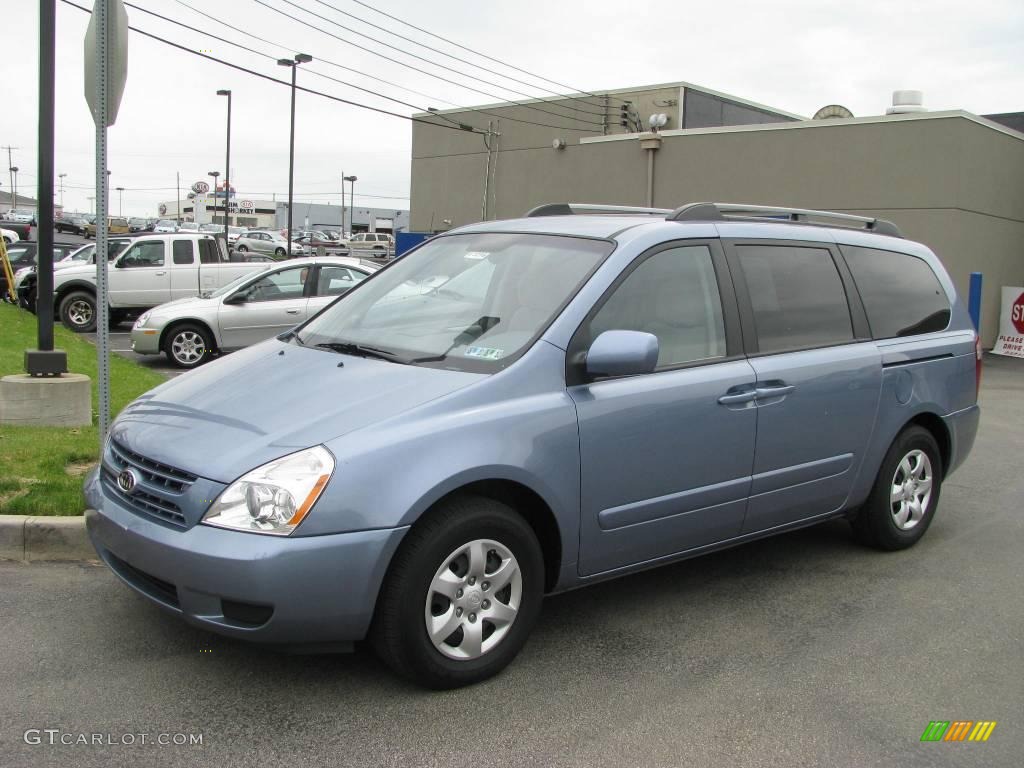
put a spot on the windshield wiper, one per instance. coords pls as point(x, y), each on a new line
point(359, 350)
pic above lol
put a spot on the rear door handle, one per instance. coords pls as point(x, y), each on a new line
point(774, 391)
point(161, 272)
point(292, 311)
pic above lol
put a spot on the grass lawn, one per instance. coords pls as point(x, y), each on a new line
point(41, 468)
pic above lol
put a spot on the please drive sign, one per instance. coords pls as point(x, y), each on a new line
point(1011, 324)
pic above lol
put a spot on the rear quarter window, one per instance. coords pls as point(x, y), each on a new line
point(901, 294)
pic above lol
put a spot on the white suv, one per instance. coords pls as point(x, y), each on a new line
point(372, 241)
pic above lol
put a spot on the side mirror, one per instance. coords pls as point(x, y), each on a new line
point(622, 353)
point(235, 298)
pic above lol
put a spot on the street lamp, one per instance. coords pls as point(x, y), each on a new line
point(61, 177)
point(351, 202)
point(120, 200)
point(227, 160)
point(14, 185)
point(300, 58)
point(213, 175)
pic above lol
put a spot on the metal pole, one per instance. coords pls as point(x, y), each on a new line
point(102, 199)
point(227, 173)
point(342, 203)
point(61, 177)
point(974, 300)
point(43, 364)
point(291, 163)
point(177, 202)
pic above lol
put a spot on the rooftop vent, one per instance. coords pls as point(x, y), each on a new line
point(906, 102)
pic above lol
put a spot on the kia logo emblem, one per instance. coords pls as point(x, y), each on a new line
point(127, 481)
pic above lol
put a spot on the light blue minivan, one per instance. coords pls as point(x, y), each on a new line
point(521, 407)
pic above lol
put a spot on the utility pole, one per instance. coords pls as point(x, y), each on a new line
point(342, 203)
point(61, 177)
point(177, 201)
point(10, 168)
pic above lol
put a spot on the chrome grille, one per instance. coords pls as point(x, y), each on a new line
point(159, 481)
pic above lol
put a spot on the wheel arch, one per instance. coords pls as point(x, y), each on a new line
point(934, 424)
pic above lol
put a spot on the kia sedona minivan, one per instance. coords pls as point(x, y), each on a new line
point(518, 408)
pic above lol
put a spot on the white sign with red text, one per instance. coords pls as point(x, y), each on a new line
point(1011, 324)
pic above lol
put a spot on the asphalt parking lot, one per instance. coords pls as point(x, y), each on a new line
point(121, 344)
point(802, 650)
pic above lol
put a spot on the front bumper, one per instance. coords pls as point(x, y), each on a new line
point(313, 591)
point(146, 341)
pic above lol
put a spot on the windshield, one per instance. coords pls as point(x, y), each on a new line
point(236, 283)
point(165, 223)
point(468, 302)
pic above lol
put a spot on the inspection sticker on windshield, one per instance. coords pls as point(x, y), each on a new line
point(488, 353)
point(476, 255)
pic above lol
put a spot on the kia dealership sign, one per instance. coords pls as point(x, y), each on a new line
point(1011, 324)
point(200, 187)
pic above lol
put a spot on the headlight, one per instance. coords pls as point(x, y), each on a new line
point(143, 318)
point(276, 497)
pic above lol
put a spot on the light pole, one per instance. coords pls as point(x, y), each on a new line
point(14, 187)
point(120, 200)
point(213, 175)
point(227, 161)
point(351, 202)
point(61, 177)
point(300, 58)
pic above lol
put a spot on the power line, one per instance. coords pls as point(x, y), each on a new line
point(325, 61)
point(561, 96)
point(490, 94)
point(478, 53)
point(262, 76)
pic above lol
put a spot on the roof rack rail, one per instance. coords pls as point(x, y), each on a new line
point(723, 211)
point(568, 209)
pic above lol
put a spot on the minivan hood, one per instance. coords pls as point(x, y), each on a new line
point(250, 407)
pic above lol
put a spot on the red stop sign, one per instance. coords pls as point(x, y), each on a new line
point(1017, 314)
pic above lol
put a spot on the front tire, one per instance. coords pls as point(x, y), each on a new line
point(461, 596)
point(280, 253)
point(78, 311)
point(906, 492)
point(188, 345)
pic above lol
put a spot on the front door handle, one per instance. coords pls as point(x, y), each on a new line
point(161, 272)
point(738, 397)
point(292, 311)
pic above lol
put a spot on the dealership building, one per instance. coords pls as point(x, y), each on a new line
point(273, 214)
point(952, 180)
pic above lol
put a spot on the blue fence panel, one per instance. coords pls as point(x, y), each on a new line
point(405, 241)
point(974, 300)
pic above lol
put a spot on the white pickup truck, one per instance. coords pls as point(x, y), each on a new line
point(151, 270)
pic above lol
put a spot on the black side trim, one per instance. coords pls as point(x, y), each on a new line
point(911, 361)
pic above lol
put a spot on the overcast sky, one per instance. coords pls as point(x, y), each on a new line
point(796, 55)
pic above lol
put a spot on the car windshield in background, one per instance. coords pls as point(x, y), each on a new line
point(165, 223)
point(470, 302)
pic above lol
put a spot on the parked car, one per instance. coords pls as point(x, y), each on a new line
point(73, 224)
point(23, 257)
point(270, 243)
point(188, 226)
point(153, 270)
point(86, 254)
point(21, 216)
point(116, 225)
point(165, 227)
point(23, 231)
point(251, 309)
point(211, 228)
point(375, 242)
point(9, 235)
point(137, 224)
point(576, 398)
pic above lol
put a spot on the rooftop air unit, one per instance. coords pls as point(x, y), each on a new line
point(906, 102)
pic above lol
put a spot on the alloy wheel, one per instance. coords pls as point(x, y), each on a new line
point(80, 313)
point(188, 347)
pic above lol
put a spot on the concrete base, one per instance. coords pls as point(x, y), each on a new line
point(31, 401)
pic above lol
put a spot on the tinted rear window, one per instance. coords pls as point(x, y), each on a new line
point(900, 292)
point(797, 297)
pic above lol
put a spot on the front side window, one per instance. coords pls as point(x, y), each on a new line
point(673, 295)
point(149, 253)
point(900, 292)
point(286, 284)
point(797, 297)
point(468, 302)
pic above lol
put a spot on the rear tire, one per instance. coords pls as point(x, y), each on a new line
point(902, 502)
point(459, 549)
point(188, 345)
point(78, 311)
point(280, 253)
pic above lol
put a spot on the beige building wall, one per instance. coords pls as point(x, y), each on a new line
point(950, 180)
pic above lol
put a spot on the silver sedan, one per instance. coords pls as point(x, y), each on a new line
point(251, 309)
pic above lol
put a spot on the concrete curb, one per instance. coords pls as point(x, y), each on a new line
point(34, 539)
